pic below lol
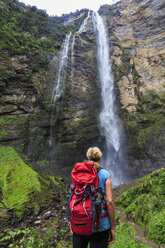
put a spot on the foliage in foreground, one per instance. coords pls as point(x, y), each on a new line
point(31, 238)
point(124, 239)
point(145, 204)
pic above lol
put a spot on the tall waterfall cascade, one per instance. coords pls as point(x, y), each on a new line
point(72, 54)
point(59, 86)
point(110, 124)
point(84, 23)
point(72, 49)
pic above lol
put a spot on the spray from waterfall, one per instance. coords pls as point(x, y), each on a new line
point(59, 86)
point(110, 124)
point(84, 23)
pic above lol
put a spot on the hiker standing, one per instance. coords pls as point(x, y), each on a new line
point(91, 205)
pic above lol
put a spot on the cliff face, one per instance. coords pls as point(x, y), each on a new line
point(30, 45)
point(136, 36)
point(138, 54)
point(76, 124)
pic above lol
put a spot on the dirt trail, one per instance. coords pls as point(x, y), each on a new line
point(140, 237)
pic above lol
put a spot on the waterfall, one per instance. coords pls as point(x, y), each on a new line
point(59, 86)
point(72, 48)
point(72, 55)
point(84, 23)
point(110, 124)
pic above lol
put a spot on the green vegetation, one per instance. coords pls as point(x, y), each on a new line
point(8, 237)
point(124, 232)
point(21, 32)
point(20, 184)
point(145, 204)
point(149, 120)
point(30, 31)
point(36, 240)
point(125, 67)
point(18, 180)
point(27, 238)
point(151, 117)
point(8, 123)
point(33, 237)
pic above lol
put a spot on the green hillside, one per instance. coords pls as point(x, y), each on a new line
point(145, 205)
point(22, 189)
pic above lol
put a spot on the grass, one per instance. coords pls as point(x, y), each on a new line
point(17, 180)
point(124, 239)
point(145, 204)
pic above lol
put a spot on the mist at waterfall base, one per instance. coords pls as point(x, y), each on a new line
point(110, 124)
point(111, 129)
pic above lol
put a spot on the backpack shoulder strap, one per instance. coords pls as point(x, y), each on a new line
point(99, 169)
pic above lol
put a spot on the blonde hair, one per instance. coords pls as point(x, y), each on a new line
point(94, 154)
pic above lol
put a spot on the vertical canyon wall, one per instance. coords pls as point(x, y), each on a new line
point(137, 47)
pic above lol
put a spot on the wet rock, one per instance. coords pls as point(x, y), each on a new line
point(37, 222)
point(47, 215)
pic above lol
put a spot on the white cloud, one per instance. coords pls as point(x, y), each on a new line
point(59, 7)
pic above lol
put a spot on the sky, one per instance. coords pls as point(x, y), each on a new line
point(59, 7)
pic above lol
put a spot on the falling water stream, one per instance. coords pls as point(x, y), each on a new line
point(72, 54)
point(59, 86)
point(72, 49)
point(84, 23)
point(110, 124)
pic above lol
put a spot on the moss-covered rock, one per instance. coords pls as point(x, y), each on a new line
point(145, 133)
point(145, 204)
point(150, 118)
point(12, 127)
point(22, 189)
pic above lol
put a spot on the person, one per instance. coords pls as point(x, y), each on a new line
point(105, 234)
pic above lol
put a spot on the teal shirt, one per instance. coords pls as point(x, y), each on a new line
point(104, 224)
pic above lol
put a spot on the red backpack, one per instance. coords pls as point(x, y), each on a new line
point(84, 201)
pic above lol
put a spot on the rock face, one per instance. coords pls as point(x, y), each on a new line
point(136, 36)
point(19, 101)
point(138, 54)
point(76, 125)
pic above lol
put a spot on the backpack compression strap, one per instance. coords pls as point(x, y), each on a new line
point(102, 215)
point(69, 199)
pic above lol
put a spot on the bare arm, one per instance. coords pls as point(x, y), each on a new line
point(110, 208)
